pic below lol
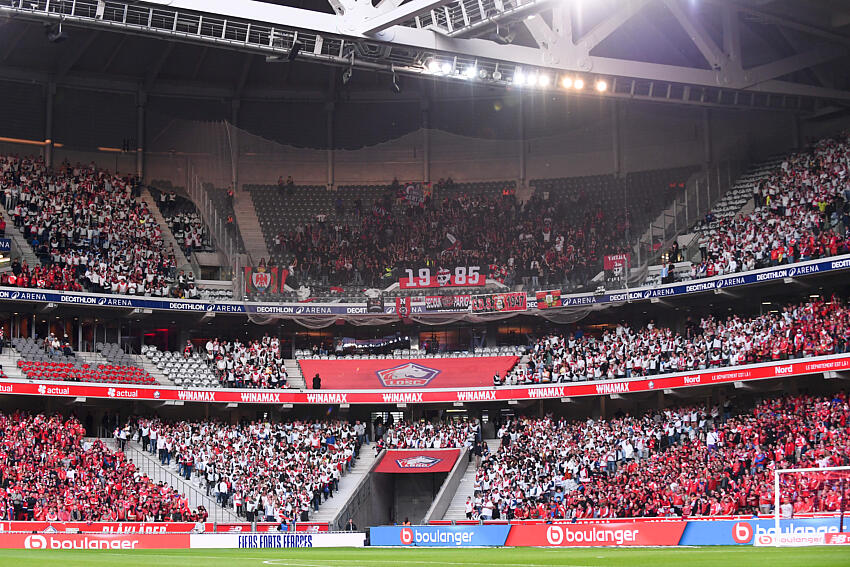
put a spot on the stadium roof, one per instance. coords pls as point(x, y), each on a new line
point(781, 54)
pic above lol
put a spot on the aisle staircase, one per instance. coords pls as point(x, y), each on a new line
point(193, 489)
point(457, 507)
point(167, 236)
point(249, 226)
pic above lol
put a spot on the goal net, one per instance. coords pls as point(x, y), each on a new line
point(816, 499)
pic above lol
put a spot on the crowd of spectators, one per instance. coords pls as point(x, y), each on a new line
point(274, 472)
point(693, 461)
point(49, 472)
point(511, 242)
point(802, 212)
point(253, 364)
point(185, 222)
point(427, 435)
point(87, 227)
point(812, 328)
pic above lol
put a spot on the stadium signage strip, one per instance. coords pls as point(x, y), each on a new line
point(423, 305)
point(442, 395)
point(617, 533)
point(154, 527)
point(128, 541)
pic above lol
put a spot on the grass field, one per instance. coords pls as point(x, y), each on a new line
point(508, 557)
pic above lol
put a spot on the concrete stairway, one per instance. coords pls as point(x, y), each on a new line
point(249, 226)
point(167, 236)
point(9, 362)
point(148, 366)
point(193, 489)
point(347, 484)
point(294, 378)
point(457, 507)
point(19, 243)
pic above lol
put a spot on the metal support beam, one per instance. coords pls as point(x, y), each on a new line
point(611, 24)
point(243, 76)
point(791, 64)
point(114, 53)
point(71, 58)
point(153, 71)
point(731, 35)
point(426, 140)
point(329, 113)
point(398, 15)
point(48, 124)
point(141, 101)
point(400, 49)
point(16, 39)
point(698, 34)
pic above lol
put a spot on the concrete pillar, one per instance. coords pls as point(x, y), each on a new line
point(615, 137)
point(706, 134)
point(329, 110)
point(234, 143)
point(796, 139)
point(48, 124)
point(141, 101)
point(426, 140)
point(521, 122)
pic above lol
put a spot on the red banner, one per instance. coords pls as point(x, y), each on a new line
point(498, 302)
point(95, 541)
point(549, 299)
point(416, 461)
point(439, 390)
point(151, 527)
point(615, 261)
point(586, 535)
point(408, 373)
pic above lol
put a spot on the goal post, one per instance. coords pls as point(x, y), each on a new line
point(821, 489)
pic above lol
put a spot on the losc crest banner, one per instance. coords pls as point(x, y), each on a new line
point(265, 279)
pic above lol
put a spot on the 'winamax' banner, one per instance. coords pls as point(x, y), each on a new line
point(417, 385)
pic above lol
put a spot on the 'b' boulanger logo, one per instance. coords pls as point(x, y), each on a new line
point(406, 536)
point(742, 532)
point(35, 542)
point(555, 535)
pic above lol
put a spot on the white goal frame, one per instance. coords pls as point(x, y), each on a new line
point(776, 498)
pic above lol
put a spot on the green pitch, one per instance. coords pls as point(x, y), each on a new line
point(487, 557)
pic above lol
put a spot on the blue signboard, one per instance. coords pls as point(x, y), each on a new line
point(418, 304)
point(5, 245)
point(745, 532)
point(439, 536)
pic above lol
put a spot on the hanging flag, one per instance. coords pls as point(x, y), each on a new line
point(261, 279)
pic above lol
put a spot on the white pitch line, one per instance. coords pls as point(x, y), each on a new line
point(300, 563)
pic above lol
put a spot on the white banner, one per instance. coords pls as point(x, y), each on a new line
point(277, 541)
point(790, 540)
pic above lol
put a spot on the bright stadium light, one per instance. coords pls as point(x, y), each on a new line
point(544, 80)
point(434, 66)
point(578, 84)
point(497, 75)
point(470, 72)
point(446, 68)
point(531, 80)
point(567, 82)
point(601, 86)
point(519, 78)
